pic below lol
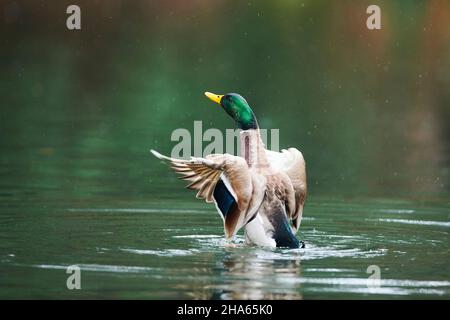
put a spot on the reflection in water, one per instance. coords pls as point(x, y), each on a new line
point(252, 277)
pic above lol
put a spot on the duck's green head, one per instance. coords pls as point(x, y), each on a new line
point(236, 106)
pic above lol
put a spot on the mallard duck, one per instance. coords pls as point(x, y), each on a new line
point(261, 190)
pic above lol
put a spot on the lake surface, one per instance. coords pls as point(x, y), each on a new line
point(152, 250)
point(80, 110)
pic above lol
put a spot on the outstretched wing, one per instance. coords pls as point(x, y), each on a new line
point(291, 162)
point(223, 179)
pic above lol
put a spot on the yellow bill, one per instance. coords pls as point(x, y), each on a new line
point(214, 97)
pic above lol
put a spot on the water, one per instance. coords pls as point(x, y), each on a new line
point(158, 251)
point(79, 112)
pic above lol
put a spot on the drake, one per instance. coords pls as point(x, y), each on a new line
point(261, 190)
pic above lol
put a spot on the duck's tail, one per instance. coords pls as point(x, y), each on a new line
point(283, 235)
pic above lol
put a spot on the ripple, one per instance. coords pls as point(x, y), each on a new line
point(313, 252)
point(135, 210)
point(366, 281)
point(415, 222)
point(162, 253)
point(329, 270)
point(99, 268)
point(198, 236)
point(381, 290)
point(400, 211)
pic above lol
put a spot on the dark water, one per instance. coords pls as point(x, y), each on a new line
point(80, 111)
point(156, 250)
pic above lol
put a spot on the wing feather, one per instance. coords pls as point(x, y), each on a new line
point(204, 175)
point(292, 163)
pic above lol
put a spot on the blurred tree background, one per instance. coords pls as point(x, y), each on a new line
point(80, 110)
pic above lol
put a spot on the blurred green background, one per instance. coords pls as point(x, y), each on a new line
point(80, 110)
